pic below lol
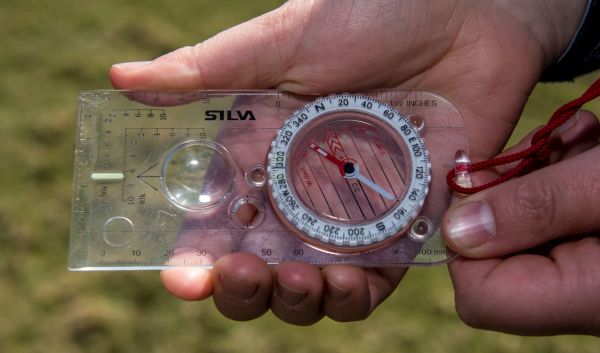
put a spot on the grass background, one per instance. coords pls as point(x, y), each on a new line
point(49, 51)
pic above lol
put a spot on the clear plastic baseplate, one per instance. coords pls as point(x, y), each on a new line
point(169, 179)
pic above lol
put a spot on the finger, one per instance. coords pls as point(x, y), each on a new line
point(383, 282)
point(187, 283)
point(577, 135)
point(352, 293)
point(242, 286)
point(251, 55)
point(558, 200)
point(531, 294)
point(297, 293)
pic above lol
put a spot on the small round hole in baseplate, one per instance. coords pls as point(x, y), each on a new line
point(247, 212)
point(421, 229)
point(256, 176)
point(418, 121)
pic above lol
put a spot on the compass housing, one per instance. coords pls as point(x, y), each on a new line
point(348, 173)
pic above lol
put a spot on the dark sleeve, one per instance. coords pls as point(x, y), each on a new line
point(583, 54)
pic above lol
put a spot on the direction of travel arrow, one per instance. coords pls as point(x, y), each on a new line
point(148, 178)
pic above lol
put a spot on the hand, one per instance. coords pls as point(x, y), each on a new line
point(486, 56)
point(531, 246)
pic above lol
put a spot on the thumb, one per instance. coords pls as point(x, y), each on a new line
point(253, 54)
point(559, 200)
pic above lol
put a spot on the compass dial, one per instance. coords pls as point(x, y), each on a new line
point(348, 173)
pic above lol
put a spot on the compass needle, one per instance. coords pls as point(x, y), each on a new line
point(328, 156)
point(350, 170)
point(375, 187)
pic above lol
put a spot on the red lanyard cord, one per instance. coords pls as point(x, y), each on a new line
point(531, 158)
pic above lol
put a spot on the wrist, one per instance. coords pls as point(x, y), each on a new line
point(551, 23)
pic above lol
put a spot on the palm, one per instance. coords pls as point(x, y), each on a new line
point(487, 73)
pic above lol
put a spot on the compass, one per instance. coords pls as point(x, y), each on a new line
point(348, 173)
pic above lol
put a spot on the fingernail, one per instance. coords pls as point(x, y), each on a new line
point(237, 289)
point(336, 292)
point(289, 296)
point(471, 225)
point(130, 66)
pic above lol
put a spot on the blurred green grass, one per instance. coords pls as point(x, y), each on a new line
point(53, 49)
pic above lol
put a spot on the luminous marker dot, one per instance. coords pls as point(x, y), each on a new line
point(107, 176)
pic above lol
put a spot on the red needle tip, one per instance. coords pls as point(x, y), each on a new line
point(328, 156)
